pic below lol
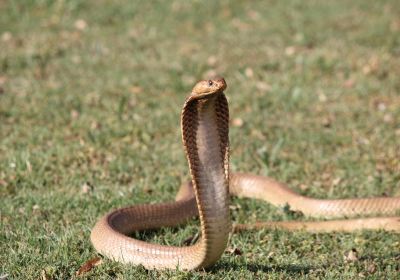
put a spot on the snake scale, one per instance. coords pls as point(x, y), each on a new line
point(205, 129)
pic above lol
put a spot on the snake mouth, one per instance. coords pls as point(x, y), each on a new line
point(204, 96)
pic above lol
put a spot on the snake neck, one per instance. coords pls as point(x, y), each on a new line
point(205, 137)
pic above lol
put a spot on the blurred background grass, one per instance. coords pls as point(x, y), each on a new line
point(90, 98)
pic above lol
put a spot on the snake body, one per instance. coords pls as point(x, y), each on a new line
point(205, 127)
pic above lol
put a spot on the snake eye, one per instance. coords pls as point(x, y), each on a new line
point(210, 83)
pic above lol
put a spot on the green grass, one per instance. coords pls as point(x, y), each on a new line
point(316, 86)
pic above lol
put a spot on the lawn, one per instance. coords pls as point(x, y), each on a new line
point(90, 99)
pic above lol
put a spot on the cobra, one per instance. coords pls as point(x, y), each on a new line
point(205, 129)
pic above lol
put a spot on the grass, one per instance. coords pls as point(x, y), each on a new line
point(91, 92)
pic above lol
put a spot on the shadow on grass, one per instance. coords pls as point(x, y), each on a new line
point(253, 267)
point(395, 256)
point(223, 265)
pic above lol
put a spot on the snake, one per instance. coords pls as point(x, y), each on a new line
point(205, 137)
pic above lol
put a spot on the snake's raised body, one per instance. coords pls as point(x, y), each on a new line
point(205, 126)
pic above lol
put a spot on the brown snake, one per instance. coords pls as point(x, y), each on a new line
point(205, 127)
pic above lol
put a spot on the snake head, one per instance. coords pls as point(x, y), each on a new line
point(206, 88)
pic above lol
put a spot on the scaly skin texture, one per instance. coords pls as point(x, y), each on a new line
point(205, 129)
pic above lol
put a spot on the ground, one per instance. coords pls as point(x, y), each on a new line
point(90, 98)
